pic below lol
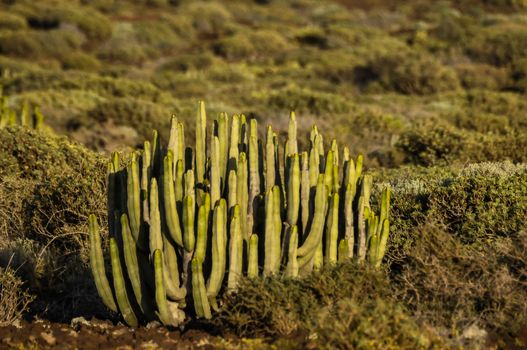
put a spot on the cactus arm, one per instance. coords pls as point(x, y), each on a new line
point(223, 137)
point(169, 197)
point(293, 190)
point(270, 228)
point(155, 238)
point(219, 246)
point(235, 249)
point(201, 135)
point(361, 239)
point(202, 226)
point(199, 292)
point(120, 287)
point(165, 314)
point(292, 262)
point(235, 139)
point(343, 250)
point(385, 232)
point(270, 171)
point(97, 265)
point(38, 118)
point(134, 197)
point(180, 174)
point(132, 267)
point(328, 172)
point(292, 143)
point(252, 267)
point(146, 172)
point(332, 230)
point(348, 220)
point(189, 238)
point(232, 190)
point(305, 190)
point(317, 227)
point(242, 192)
point(215, 176)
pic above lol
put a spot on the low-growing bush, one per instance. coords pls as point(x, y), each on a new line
point(410, 73)
point(499, 46)
point(48, 185)
point(275, 306)
point(14, 298)
point(454, 286)
point(80, 61)
point(11, 21)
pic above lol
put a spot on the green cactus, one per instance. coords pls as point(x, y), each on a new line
point(218, 208)
point(29, 117)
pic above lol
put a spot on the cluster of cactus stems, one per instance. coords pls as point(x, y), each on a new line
point(186, 224)
point(29, 117)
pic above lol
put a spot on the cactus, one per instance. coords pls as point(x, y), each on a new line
point(30, 117)
point(186, 226)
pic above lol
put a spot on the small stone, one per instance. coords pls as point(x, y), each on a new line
point(77, 322)
point(49, 338)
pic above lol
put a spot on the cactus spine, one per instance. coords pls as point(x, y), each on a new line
point(180, 220)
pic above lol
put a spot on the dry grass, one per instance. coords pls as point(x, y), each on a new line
point(14, 298)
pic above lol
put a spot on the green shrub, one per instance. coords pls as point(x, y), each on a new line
point(374, 324)
point(430, 145)
point(80, 61)
point(274, 306)
point(144, 116)
point(38, 44)
point(11, 21)
point(210, 19)
point(48, 186)
point(453, 286)
point(499, 46)
point(186, 62)
point(482, 76)
point(305, 100)
point(157, 37)
point(411, 73)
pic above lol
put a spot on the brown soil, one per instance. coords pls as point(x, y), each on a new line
point(97, 334)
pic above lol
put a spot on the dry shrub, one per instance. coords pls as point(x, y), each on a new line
point(453, 286)
point(277, 306)
point(375, 324)
point(14, 298)
point(49, 187)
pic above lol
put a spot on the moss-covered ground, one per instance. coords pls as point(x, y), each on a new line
point(433, 93)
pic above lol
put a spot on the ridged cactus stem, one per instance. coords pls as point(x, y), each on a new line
point(311, 242)
point(132, 268)
point(361, 225)
point(223, 137)
point(202, 229)
point(199, 292)
point(173, 141)
point(292, 144)
point(305, 191)
point(155, 238)
point(235, 139)
point(252, 266)
point(112, 197)
point(292, 251)
point(293, 190)
point(169, 197)
point(181, 144)
point(189, 238)
point(270, 171)
point(97, 265)
point(349, 233)
point(201, 135)
point(272, 232)
point(167, 314)
point(119, 286)
point(254, 172)
point(146, 174)
point(242, 192)
point(219, 247)
point(332, 230)
point(235, 249)
point(328, 170)
point(215, 176)
point(134, 197)
point(232, 199)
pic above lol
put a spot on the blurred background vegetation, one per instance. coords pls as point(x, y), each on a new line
point(423, 89)
point(404, 82)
